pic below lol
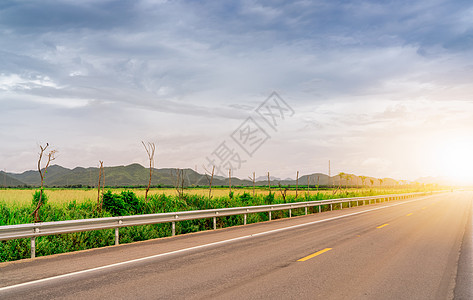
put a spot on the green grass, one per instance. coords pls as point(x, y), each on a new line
point(14, 210)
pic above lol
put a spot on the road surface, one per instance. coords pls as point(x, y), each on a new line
point(415, 249)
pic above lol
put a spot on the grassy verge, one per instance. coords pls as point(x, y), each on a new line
point(132, 202)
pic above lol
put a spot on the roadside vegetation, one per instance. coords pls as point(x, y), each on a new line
point(20, 206)
point(129, 202)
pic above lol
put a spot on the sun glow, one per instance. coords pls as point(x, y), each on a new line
point(454, 160)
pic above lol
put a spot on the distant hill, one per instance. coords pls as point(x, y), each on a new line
point(137, 175)
point(131, 175)
point(7, 180)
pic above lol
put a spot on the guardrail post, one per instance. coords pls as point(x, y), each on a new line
point(117, 236)
point(33, 247)
point(305, 210)
point(173, 228)
point(320, 208)
point(117, 233)
point(269, 214)
point(341, 205)
point(215, 223)
point(331, 207)
point(349, 204)
point(290, 212)
point(244, 219)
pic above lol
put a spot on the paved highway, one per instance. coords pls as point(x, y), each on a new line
point(416, 249)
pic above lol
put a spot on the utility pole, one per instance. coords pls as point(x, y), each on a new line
point(329, 176)
point(230, 179)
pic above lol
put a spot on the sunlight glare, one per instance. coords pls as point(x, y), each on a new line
point(455, 160)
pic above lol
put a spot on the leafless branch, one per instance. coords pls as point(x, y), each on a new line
point(209, 179)
point(253, 179)
point(150, 149)
point(42, 173)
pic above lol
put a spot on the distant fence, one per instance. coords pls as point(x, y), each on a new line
point(33, 230)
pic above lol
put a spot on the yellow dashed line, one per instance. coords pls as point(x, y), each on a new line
point(315, 254)
point(409, 215)
point(382, 226)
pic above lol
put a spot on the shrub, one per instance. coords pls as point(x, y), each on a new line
point(245, 197)
point(269, 199)
point(35, 199)
point(114, 204)
point(132, 204)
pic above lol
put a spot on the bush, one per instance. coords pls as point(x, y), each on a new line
point(245, 198)
point(269, 199)
point(132, 204)
point(114, 204)
point(125, 203)
point(35, 199)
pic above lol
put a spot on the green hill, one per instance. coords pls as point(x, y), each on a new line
point(137, 175)
point(8, 181)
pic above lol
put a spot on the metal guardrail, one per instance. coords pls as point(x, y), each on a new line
point(33, 230)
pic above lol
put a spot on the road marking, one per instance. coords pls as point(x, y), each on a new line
point(315, 254)
point(382, 226)
point(72, 274)
point(409, 215)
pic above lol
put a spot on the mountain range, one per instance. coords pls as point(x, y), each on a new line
point(137, 175)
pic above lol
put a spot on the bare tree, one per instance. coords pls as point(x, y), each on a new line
point(253, 179)
point(363, 178)
point(150, 149)
point(179, 183)
point(348, 180)
point(209, 179)
point(340, 175)
point(42, 173)
point(283, 191)
point(297, 183)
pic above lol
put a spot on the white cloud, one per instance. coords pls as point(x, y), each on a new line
point(16, 82)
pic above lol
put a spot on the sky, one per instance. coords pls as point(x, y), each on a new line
point(379, 88)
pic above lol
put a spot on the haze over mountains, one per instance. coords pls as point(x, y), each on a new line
point(137, 175)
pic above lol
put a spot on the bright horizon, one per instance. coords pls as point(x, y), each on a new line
point(381, 90)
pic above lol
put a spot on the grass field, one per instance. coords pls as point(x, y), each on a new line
point(22, 197)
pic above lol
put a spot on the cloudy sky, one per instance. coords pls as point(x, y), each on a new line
point(380, 88)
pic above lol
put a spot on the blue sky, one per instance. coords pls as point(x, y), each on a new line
point(377, 87)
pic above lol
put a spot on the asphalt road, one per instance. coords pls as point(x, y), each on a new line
point(416, 249)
